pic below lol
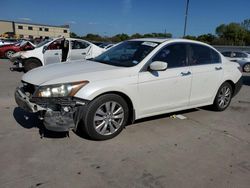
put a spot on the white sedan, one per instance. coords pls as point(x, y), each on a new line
point(135, 79)
point(54, 51)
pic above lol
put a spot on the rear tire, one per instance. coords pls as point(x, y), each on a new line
point(9, 53)
point(223, 97)
point(105, 117)
point(246, 67)
point(30, 64)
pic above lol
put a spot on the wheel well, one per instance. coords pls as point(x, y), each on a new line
point(34, 58)
point(129, 102)
point(10, 50)
point(232, 84)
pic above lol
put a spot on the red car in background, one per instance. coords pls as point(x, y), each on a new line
point(6, 51)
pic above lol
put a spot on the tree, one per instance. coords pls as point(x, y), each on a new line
point(233, 33)
point(136, 36)
point(73, 35)
point(190, 37)
point(246, 24)
point(207, 38)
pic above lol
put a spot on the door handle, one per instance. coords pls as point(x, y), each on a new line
point(56, 54)
point(83, 53)
point(218, 68)
point(185, 73)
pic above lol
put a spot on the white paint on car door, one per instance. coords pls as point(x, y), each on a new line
point(79, 49)
point(163, 91)
point(53, 53)
point(207, 72)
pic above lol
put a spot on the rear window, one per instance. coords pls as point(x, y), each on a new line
point(203, 55)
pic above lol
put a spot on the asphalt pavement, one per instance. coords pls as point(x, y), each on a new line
point(208, 149)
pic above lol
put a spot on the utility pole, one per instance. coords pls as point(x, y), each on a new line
point(186, 17)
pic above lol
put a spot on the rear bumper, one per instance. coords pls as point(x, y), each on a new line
point(238, 86)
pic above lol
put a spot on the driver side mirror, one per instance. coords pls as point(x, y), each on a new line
point(44, 49)
point(158, 66)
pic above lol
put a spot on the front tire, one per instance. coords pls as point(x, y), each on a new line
point(246, 67)
point(223, 97)
point(30, 64)
point(106, 117)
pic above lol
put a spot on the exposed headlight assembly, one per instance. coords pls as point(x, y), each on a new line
point(60, 90)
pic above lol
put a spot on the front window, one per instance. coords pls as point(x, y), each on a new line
point(175, 55)
point(43, 43)
point(127, 54)
point(240, 55)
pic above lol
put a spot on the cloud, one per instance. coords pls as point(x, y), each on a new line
point(25, 19)
point(71, 22)
point(126, 6)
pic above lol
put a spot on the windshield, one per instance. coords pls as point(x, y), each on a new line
point(127, 54)
point(43, 43)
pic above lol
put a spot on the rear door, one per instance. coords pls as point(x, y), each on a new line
point(207, 72)
point(78, 49)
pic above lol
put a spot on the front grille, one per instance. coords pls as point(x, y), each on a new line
point(28, 88)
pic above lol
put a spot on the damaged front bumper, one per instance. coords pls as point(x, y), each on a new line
point(58, 114)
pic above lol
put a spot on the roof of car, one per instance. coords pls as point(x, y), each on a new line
point(161, 40)
point(158, 40)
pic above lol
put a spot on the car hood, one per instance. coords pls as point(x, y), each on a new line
point(74, 71)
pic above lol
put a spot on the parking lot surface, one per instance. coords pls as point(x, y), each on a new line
point(208, 149)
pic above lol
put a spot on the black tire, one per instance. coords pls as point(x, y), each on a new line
point(88, 124)
point(8, 54)
point(225, 94)
point(246, 67)
point(30, 64)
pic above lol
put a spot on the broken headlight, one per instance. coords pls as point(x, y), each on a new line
point(60, 90)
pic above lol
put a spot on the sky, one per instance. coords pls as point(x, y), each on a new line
point(110, 17)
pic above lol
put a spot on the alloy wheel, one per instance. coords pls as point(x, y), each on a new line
point(224, 97)
point(108, 118)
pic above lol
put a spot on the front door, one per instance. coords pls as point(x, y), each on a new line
point(53, 54)
point(163, 91)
